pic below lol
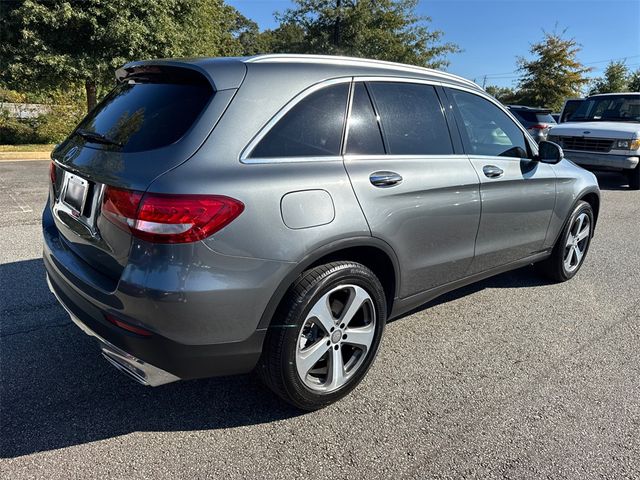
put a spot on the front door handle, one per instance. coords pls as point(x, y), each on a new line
point(492, 171)
point(385, 179)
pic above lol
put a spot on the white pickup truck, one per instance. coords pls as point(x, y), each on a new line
point(604, 134)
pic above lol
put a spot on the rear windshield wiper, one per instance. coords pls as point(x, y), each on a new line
point(96, 137)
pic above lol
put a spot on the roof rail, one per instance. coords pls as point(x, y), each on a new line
point(353, 61)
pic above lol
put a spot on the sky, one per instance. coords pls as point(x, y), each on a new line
point(493, 33)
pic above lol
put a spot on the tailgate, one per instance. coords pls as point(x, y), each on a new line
point(155, 119)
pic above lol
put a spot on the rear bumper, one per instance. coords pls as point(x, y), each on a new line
point(138, 369)
point(602, 160)
point(153, 360)
point(211, 330)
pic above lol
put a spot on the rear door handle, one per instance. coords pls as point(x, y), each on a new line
point(492, 171)
point(385, 179)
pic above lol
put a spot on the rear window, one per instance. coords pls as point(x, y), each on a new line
point(149, 111)
point(533, 117)
point(545, 118)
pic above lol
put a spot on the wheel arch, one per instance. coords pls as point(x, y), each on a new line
point(593, 199)
point(369, 251)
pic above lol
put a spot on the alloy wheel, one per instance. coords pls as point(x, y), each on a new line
point(335, 338)
point(577, 242)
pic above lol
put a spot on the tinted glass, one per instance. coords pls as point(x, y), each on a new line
point(151, 112)
point(532, 116)
point(364, 133)
point(313, 127)
point(487, 129)
point(609, 108)
point(569, 108)
point(545, 118)
point(524, 117)
point(412, 119)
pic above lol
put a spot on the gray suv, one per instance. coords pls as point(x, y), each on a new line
point(272, 213)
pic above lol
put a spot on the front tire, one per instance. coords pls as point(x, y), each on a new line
point(571, 248)
point(634, 178)
point(325, 336)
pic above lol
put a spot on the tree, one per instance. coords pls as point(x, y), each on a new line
point(616, 79)
point(380, 29)
point(505, 95)
point(52, 43)
point(554, 74)
point(634, 81)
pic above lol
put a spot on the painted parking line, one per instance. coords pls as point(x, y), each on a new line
point(10, 200)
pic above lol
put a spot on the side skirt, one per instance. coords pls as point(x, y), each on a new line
point(404, 305)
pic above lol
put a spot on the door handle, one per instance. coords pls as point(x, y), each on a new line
point(492, 171)
point(385, 179)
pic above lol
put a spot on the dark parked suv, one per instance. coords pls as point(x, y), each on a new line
point(537, 121)
point(216, 216)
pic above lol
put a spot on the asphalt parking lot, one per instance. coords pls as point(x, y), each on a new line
point(510, 378)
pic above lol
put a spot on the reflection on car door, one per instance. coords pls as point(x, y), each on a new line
point(417, 193)
point(518, 194)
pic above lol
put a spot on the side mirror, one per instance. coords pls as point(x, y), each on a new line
point(549, 152)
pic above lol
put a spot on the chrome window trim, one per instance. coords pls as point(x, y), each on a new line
point(388, 157)
point(244, 156)
point(251, 161)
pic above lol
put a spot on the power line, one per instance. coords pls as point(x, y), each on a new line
point(507, 75)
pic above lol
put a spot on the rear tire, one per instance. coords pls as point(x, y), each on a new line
point(634, 178)
point(325, 336)
point(572, 246)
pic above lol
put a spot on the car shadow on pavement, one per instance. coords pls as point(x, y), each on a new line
point(612, 180)
point(56, 390)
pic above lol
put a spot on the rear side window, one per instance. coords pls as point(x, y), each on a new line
point(412, 119)
point(151, 111)
point(487, 130)
point(312, 128)
point(364, 136)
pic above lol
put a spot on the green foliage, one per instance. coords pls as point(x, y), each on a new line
point(49, 43)
point(616, 79)
point(380, 29)
point(505, 95)
point(65, 112)
point(634, 81)
point(554, 74)
point(11, 96)
point(14, 131)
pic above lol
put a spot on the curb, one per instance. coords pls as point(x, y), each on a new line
point(15, 156)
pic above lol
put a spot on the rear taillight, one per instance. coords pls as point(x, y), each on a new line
point(539, 126)
point(164, 218)
point(52, 173)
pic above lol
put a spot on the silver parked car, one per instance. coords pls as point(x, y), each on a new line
point(216, 216)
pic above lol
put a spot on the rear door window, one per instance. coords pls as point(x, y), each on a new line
point(486, 129)
point(148, 112)
point(412, 118)
point(312, 128)
point(364, 137)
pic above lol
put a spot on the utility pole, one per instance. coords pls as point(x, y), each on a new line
point(484, 81)
point(336, 27)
